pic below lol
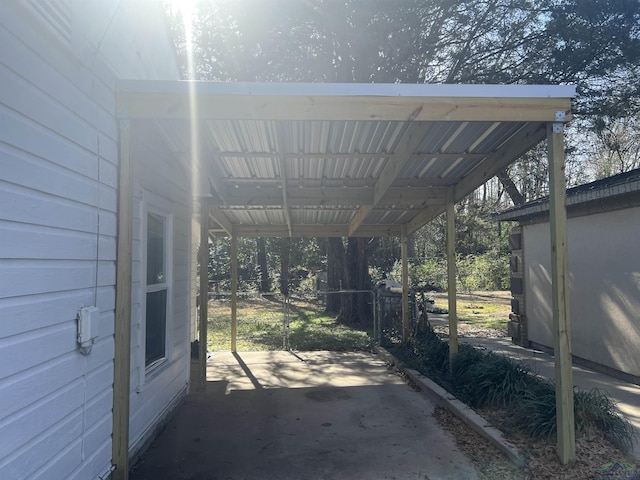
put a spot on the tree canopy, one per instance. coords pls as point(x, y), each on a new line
point(594, 44)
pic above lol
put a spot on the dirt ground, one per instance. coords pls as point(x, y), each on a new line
point(592, 453)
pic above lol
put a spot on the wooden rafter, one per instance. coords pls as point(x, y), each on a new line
point(282, 161)
point(522, 141)
point(528, 136)
point(410, 142)
point(348, 156)
point(316, 230)
point(218, 216)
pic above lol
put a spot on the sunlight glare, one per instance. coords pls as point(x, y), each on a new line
point(186, 11)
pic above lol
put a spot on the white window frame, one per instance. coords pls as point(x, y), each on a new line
point(153, 204)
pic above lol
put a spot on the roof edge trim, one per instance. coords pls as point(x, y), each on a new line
point(347, 89)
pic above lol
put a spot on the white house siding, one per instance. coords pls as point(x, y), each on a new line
point(161, 180)
point(604, 268)
point(58, 172)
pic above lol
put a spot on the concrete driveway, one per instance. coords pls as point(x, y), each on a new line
point(312, 415)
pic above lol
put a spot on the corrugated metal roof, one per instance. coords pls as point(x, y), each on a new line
point(280, 161)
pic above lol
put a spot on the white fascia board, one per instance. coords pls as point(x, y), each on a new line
point(346, 89)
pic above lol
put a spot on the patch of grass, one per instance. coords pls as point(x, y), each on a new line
point(261, 324)
point(482, 309)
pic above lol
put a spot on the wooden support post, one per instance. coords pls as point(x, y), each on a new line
point(234, 293)
point(203, 314)
point(451, 276)
point(566, 442)
point(122, 328)
point(406, 329)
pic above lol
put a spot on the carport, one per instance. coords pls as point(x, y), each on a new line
point(343, 160)
point(313, 415)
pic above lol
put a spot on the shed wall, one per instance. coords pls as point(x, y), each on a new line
point(604, 286)
point(58, 181)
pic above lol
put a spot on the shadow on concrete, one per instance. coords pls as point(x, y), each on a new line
point(270, 415)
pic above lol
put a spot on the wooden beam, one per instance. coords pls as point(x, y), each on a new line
point(122, 328)
point(343, 156)
point(283, 178)
point(338, 108)
point(346, 183)
point(254, 195)
point(320, 230)
point(203, 314)
point(412, 195)
point(234, 292)
point(219, 217)
point(451, 277)
point(361, 214)
point(566, 442)
point(215, 180)
point(406, 328)
point(424, 217)
point(410, 141)
point(301, 195)
point(521, 142)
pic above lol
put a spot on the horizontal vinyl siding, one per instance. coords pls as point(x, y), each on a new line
point(163, 177)
point(58, 203)
point(58, 226)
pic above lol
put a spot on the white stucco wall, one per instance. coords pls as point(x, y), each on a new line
point(58, 204)
point(604, 267)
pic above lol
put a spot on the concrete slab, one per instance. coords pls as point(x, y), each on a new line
point(313, 415)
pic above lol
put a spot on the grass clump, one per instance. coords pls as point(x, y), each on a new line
point(594, 408)
point(485, 379)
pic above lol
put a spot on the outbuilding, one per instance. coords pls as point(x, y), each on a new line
point(604, 274)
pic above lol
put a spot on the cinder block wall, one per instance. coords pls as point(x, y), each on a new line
point(517, 319)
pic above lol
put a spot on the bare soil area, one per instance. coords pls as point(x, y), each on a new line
point(592, 454)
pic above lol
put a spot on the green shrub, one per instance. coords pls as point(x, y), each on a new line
point(593, 408)
point(467, 359)
point(482, 378)
point(535, 410)
point(433, 351)
point(492, 381)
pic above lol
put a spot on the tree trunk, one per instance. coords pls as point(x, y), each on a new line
point(516, 197)
point(363, 282)
point(335, 262)
point(348, 310)
point(411, 246)
point(285, 250)
point(262, 264)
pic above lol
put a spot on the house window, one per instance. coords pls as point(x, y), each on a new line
point(157, 288)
